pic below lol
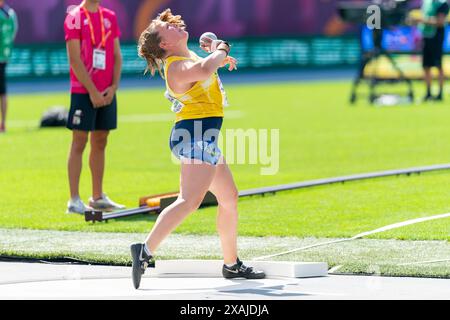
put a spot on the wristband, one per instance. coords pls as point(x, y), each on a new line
point(224, 46)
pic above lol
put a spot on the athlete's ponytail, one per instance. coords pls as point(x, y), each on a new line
point(149, 49)
point(149, 42)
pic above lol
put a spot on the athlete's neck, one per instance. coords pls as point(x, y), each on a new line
point(182, 52)
point(91, 6)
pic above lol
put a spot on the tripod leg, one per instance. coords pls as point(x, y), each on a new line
point(360, 75)
point(402, 75)
point(373, 79)
point(372, 95)
point(353, 94)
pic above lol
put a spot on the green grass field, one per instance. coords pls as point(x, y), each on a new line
point(320, 136)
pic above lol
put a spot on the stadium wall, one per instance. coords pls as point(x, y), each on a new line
point(50, 61)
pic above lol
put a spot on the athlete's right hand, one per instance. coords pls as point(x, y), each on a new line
point(97, 99)
point(210, 45)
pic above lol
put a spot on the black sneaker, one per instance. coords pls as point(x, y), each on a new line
point(439, 97)
point(239, 270)
point(140, 262)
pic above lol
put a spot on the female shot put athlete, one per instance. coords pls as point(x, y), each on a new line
point(197, 97)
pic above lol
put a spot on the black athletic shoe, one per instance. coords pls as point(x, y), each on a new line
point(140, 262)
point(439, 98)
point(239, 270)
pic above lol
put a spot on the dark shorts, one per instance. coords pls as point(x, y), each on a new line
point(83, 116)
point(2, 78)
point(197, 139)
point(433, 51)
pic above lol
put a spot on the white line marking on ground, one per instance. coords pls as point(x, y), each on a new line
point(22, 123)
point(424, 262)
point(163, 117)
point(361, 235)
point(402, 224)
point(137, 118)
point(334, 269)
point(302, 248)
point(132, 118)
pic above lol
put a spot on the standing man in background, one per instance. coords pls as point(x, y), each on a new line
point(432, 25)
point(8, 31)
point(92, 37)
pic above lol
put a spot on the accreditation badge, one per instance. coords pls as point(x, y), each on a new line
point(99, 59)
point(177, 105)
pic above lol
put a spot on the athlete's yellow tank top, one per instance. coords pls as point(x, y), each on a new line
point(205, 99)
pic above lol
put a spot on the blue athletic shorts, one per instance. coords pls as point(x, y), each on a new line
point(197, 139)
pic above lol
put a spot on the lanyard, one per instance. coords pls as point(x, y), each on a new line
point(91, 26)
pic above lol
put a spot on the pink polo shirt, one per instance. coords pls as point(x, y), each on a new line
point(76, 26)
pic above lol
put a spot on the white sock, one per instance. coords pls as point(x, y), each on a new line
point(231, 265)
point(147, 250)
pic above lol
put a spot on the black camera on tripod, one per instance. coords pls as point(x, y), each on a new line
point(377, 15)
